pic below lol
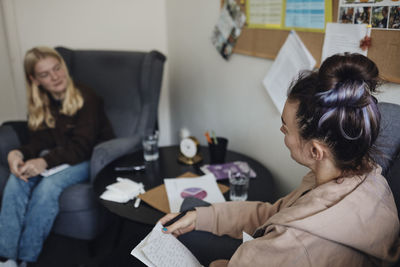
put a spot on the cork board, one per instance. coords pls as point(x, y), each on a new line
point(265, 43)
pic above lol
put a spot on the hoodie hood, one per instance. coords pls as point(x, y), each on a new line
point(358, 213)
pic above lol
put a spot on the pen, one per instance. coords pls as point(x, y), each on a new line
point(208, 137)
point(130, 168)
point(137, 203)
point(214, 138)
point(175, 219)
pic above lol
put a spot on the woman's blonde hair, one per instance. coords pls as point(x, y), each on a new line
point(39, 114)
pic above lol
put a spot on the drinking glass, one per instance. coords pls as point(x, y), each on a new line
point(239, 185)
point(150, 146)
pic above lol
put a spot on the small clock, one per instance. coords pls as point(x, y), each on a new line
point(189, 151)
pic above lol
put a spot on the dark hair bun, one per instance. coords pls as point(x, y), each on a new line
point(336, 105)
point(348, 68)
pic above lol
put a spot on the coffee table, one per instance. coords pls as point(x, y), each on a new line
point(261, 188)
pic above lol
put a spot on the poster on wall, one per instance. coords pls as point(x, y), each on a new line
point(228, 28)
point(301, 15)
point(380, 14)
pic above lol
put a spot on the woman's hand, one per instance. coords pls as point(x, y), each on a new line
point(32, 168)
point(15, 161)
point(185, 224)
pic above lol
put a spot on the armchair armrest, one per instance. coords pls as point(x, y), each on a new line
point(108, 151)
point(8, 140)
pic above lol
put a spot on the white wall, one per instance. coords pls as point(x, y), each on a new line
point(90, 24)
point(208, 92)
point(8, 96)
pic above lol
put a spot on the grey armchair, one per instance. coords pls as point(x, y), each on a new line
point(129, 83)
point(389, 143)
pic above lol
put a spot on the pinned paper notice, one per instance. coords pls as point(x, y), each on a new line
point(292, 58)
point(341, 38)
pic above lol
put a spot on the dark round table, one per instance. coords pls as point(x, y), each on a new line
point(261, 188)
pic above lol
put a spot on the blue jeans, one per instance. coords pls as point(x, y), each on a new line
point(29, 209)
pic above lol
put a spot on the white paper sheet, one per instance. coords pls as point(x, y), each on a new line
point(159, 249)
point(54, 170)
point(341, 38)
point(247, 237)
point(204, 187)
point(122, 191)
point(264, 12)
point(292, 58)
point(308, 14)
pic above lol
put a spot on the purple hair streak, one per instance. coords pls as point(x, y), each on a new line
point(337, 106)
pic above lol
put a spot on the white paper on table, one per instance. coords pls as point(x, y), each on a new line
point(54, 170)
point(122, 191)
point(292, 58)
point(246, 237)
point(159, 249)
point(126, 186)
point(114, 196)
point(204, 187)
point(340, 37)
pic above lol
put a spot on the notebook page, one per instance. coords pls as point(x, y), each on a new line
point(165, 250)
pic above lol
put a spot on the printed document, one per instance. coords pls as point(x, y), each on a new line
point(292, 58)
point(341, 38)
point(54, 170)
point(159, 249)
point(205, 188)
point(264, 13)
point(309, 14)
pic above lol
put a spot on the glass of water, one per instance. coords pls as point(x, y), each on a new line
point(150, 146)
point(239, 185)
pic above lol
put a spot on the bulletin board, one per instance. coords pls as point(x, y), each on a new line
point(265, 43)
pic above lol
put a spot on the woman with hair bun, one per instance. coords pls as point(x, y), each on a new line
point(65, 123)
point(342, 214)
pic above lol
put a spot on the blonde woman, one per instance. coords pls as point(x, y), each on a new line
point(65, 123)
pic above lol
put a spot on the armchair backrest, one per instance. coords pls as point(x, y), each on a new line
point(128, 82)
point(388, 140)
point(389, 143)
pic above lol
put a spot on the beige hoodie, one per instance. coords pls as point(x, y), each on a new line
point(354, 223)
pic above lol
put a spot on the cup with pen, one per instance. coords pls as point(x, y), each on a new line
point(217, 147)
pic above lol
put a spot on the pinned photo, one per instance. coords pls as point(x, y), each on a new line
point(362, 15)
point(394, 19)
point(228, 28)
point(346, 15)
point(380, 17)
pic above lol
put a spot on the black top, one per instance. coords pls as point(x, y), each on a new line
point(72, 139)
